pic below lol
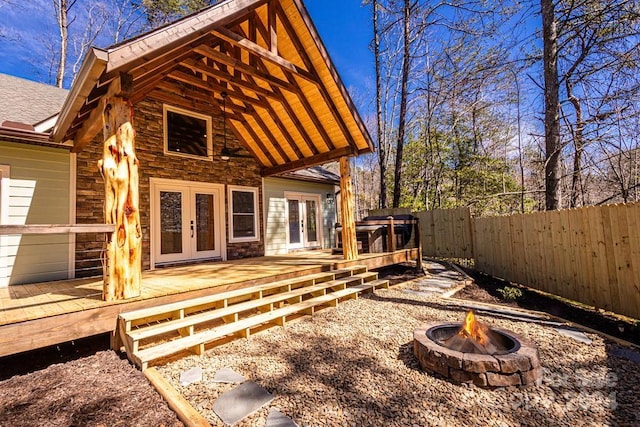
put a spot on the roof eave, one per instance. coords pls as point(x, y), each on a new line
point(92, 68)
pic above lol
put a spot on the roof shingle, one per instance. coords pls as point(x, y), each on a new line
point(28, 102)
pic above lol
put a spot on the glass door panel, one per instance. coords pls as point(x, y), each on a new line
point(171, 230)
point(312, 222)
point(295, 235)
point(205, 224)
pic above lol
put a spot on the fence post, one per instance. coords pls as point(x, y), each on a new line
point(419, 244)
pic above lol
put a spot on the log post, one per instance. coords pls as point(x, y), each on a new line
point(391, 234)
point(349, 241)
point(122, 269)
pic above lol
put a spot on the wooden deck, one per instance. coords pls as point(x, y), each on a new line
point(38, 315)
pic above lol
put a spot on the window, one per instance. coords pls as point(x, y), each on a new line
point(243, 214)
point(187, 133)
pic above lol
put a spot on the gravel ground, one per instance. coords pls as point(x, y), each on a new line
point(354, 366)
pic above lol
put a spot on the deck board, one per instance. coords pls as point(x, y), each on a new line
point(54, 312)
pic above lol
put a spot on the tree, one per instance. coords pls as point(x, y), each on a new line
point(402, 119)
point(62, 8)
point(553, 146)
point(380, 133)
point(160, 12)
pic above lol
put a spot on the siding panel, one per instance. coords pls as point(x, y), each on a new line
point(38, 194)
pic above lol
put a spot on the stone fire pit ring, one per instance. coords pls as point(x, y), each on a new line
point(519, 367)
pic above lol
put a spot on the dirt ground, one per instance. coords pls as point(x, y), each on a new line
point(98, 390)
point(83, 384)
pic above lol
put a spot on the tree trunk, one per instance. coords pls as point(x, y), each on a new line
point(578, 143)
point(62, 8)
point(349, 242)
point(397, 175)
point(552, 106)
point(122, 270)
point(382, 155)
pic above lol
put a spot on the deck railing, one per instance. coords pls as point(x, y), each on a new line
point(23, 247)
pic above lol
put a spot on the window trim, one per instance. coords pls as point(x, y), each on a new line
point(256, 213)
point(165, 132)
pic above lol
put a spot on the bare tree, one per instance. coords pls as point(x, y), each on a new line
point(380, 133)
point(62, 8)
point(402, 120)
point(553, 145)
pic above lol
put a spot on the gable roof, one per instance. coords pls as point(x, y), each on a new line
point(313, 174)
point(28, 102)
point(286, 102)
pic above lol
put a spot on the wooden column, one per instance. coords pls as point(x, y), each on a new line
point(349, 242)
point(122, 269)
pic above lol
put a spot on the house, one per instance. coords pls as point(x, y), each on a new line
point(186, 149)
point(227, 106)
point(299, 209)
point(35, 183)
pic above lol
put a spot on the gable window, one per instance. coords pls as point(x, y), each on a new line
point(187, 133)
point(243, 214)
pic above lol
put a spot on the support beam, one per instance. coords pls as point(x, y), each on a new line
point(253, 48)
point(349, 241)
point(120, 86)
point(122, 269)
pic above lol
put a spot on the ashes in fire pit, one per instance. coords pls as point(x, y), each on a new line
point(472, 352)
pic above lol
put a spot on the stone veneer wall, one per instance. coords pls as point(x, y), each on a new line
point(154, 163)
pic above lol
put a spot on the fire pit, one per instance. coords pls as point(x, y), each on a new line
point(474, 353)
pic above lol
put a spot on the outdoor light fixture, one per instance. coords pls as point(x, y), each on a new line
point(227, 153)
point(330, 197)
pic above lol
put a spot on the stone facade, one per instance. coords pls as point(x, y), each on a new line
point(148, 123)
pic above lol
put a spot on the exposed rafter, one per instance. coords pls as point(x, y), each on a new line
point(285, 104)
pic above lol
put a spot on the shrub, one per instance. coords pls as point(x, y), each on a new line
point(510, 293)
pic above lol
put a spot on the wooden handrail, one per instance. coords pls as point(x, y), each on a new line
point(56, 229)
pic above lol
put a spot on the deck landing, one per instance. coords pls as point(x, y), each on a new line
point(51, 313)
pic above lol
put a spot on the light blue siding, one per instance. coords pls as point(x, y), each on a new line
point(39, 193)
point(275, 211)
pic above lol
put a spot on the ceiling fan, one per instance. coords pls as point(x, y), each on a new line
point(227, 153)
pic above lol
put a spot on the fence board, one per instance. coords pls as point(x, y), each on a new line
point(590, 255)
point(633, 220)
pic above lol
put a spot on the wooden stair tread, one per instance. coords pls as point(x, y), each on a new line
point(210, 299)
point(171, 347)
point(213, 314)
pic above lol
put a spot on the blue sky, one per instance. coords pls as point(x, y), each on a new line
point(346, 29)
point(344, 26)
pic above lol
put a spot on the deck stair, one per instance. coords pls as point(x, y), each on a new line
point(157, 332)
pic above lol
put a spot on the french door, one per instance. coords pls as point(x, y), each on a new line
point(187, 221)
point(303, 219)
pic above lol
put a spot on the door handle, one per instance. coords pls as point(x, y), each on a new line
point(192, 229)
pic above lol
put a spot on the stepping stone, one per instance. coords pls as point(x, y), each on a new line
point(278, 419)
point(576, 335)
point(191, 376)
point(438, 283)
point(241, 402)
point(228, 376)
point(419, 293)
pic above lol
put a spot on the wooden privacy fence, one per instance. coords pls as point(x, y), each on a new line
point(447, 233)
point(590, 255)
